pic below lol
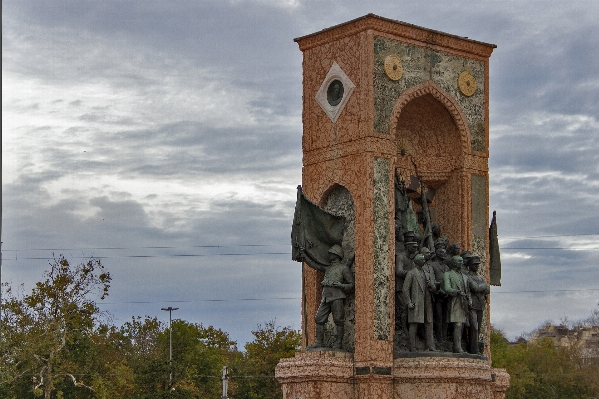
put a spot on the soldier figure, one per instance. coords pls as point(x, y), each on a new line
point(479, 290)
point(440, 299)
point(439, 240)
point(456, 285)
point(417, 289)
point(429, 273)
point(338, 280)
point(403, 264)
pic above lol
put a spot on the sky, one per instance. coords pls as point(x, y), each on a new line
point(165, 139)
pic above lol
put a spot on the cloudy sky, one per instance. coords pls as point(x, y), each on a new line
point(165, 138)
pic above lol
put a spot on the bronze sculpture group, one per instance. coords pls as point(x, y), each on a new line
point(436, 283)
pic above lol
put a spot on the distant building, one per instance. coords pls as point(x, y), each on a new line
point(584, 337)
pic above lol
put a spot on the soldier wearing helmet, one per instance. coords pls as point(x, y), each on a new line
point(338, 280)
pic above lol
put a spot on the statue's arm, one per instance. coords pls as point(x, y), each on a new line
point(407, 285)
point(430, 281)
point(468, 292)
point(315, 266)
point(400, 271)
point(478, 286)
point(447, 285)
point(349, 279)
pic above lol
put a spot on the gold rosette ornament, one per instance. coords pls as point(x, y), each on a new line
point(393, 68)
point(467, 83)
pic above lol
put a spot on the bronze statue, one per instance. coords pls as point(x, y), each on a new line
point(338, 280)
point(479, 290)
point(439, 240)
point(455, 284)
point(403, 264)
point(440, 318)
point(418, 288)
point(466, 256)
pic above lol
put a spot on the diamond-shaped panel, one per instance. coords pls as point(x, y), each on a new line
point(334, 92)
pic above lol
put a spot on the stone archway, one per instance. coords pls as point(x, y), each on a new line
point(432, 141)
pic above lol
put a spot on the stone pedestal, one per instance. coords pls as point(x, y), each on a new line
point(335, 375)
point(382, 98)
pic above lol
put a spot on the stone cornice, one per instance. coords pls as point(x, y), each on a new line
point(381, 146)
point(423, 36)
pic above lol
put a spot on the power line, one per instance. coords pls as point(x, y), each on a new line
point(536, 291)
point(551, 236)
point(299, 298)
point(146, 247)
point(260, 245)
point(204, 300)
point(256, 254)
point(553, 248)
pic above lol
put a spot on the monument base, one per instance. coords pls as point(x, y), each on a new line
point(335, 375)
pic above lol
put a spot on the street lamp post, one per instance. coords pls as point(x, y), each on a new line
point(170, 340)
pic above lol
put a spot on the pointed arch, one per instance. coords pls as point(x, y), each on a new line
point(444, 98)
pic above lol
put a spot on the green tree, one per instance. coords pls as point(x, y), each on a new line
point(541, 369)
point(46, 334)
point(254, 372)
point(199, 354)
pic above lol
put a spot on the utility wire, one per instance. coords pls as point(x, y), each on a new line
point(260, 245)
point(299, 298)
point(260, 253)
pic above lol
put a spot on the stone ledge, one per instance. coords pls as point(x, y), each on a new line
point(442, 368)
point(464, 355)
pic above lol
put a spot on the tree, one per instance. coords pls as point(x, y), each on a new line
point(198, 356)
point(540, 369)
point(256, 368)
point(47, 333)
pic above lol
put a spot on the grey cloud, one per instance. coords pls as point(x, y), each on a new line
point(196, 148)
point(543, 176)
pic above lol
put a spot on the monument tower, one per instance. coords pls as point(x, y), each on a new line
point(387, 102)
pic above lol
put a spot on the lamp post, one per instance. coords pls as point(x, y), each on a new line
point(170, 342)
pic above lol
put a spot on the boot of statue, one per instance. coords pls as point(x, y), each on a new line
point(339, 337)
point(319, 338)
point(429, 340)
point(457, 338)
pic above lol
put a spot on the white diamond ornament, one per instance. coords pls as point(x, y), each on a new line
point(334, 92)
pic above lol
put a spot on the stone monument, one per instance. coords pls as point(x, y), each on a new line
point(395, 169)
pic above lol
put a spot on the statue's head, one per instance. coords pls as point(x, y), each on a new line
point(336, 250)
point(425, 252)
point(419, 260)
point(467, 256)
point(442, 242)
point(411, 246)
point(457, 262)
point(436, 229)
point(474, 263)
point(454, 249)
point(441, 253)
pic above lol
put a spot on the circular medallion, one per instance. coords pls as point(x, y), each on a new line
point(467, 83)
point(393, 67)
point(335, 93)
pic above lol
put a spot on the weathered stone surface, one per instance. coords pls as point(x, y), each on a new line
point(382, 259)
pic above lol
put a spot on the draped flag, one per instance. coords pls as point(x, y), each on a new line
point(495, 261)
point(314, 231)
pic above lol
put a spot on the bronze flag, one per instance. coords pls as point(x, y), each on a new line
point(314, 231)
point(495, 261)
